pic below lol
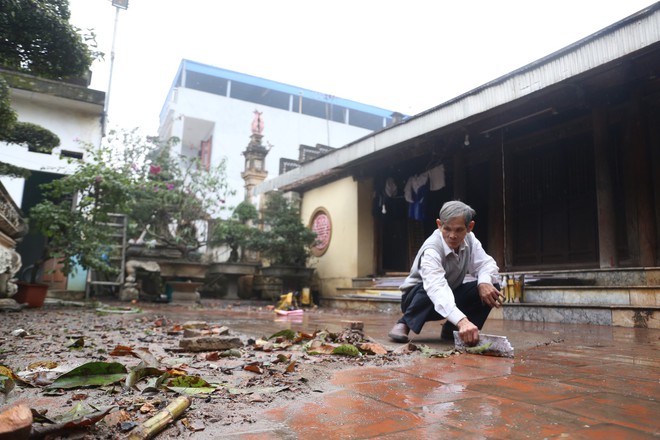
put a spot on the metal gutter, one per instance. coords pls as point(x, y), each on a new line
point(633, 33)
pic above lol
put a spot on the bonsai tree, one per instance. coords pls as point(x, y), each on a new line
point(236, 232)
point(137, 176)
point(284, 239)
point(177, 198)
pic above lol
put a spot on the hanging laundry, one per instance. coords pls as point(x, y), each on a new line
point(417, 187)
point(390, 187)
point(437, 178)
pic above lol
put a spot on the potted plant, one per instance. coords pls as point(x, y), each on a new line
point(178, 197)
point(285, 242)
point(237, 232)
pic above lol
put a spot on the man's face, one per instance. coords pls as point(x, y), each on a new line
point(454, 231)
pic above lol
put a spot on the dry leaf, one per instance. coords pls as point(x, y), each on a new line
point(373, 348)
point(253, 368)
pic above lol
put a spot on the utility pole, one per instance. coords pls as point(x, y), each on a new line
point(118, 4)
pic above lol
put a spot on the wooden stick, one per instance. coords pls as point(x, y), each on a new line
point(158, 422)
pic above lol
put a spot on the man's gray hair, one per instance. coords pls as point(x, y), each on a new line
point(455, 209)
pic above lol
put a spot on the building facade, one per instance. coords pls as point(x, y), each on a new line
point(211, 111)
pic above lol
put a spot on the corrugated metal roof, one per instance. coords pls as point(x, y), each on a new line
point(633, 33)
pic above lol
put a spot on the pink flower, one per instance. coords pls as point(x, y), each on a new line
point(99, 179)
point(153, 169)
point(170, 186)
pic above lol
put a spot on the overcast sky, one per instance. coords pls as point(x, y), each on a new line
point(402, 56)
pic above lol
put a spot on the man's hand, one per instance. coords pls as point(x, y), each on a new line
point(468, 332)
point(490, 295)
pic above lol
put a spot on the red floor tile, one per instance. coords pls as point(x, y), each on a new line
point(631, 412)
point(367, 374)
point(344, 415)
point(457, 369)
point(413, 391)
point(606, 431)
point(644, 389)
point(433, 432)
point(502, 418)
point(527, 389)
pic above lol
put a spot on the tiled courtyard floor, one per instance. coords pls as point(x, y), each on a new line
point(565, 381)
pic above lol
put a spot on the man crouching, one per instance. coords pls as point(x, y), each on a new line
point(435, 288)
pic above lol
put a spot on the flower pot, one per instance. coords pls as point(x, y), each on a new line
point(31, 294)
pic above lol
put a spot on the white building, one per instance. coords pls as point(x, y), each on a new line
point(211, 110)
point(75, 114)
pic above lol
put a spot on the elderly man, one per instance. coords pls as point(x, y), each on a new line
point(435, 288)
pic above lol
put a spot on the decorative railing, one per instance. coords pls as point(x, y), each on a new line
point(12, 223)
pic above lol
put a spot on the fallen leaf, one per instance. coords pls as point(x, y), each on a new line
point(6, 385)
point(190, 385)
point(145, 356)
point(373, 348)
point(91, 374)
point(347, 350)
point(291, 367)
point(321, 349)
point(214, 356)
point(147, 408)
point(77, 343)
point(117, 417)
point(49, 365)
point(15, 422)
point(8, 372)
point(122, 350)
point(286, 334)
point(78, 417)
point(139, 372)
point(253, 368)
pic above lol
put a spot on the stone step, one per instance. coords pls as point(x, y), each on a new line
point(612, 315)
point(647, 276)
point(623, 315)
point(593, 295)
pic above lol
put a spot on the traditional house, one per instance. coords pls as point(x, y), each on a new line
point(560, 159)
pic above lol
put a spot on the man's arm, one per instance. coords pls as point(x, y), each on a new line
point(484, 267)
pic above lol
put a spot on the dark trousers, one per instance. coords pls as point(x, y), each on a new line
point(418, 309)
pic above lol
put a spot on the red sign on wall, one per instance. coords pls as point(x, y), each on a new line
point(322, 225)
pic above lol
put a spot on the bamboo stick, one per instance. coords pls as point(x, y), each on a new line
point(158, 422)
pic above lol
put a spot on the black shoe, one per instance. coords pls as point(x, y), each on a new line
point(447, 333)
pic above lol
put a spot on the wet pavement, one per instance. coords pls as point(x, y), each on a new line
point(565, 381)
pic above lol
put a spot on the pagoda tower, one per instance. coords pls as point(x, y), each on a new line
point(255, 158)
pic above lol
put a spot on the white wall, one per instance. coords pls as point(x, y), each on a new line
point(285, 130)
point(58, 115)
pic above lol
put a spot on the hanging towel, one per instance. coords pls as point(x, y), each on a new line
point(437, 178)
